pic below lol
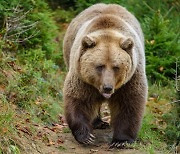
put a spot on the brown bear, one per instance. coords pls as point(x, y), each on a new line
point(104, 53)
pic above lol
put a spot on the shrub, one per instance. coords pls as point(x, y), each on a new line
point(63, 3)
point(29, 55)
point(28, 24)
point(161, 48)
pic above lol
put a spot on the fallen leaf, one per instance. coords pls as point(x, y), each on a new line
point(25, 130)
point(4, 130)
point(161, 69)
point(59, 141)
point(28, 120)
point(2, 89)
point(93, 150)
point(50, 143)
point(152, 42)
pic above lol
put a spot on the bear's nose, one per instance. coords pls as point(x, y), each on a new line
point(107, 88)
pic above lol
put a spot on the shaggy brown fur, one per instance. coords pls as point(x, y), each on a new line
point(104, 53)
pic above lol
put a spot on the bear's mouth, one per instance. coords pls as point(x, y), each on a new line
point(106, 91)
point(106, 95)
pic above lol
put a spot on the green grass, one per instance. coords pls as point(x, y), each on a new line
point(159, 132)
point(150, 138)
point(61, 148)
point(27, 94)
point(9, 145)
point(66, 130)
point(167, 93)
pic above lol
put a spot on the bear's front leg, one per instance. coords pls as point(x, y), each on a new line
point(127, 108)
point(78, 120)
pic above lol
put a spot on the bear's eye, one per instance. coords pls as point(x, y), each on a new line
point(99, 68)
point(116, 68)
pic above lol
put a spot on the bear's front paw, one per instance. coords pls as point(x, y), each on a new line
point(120, 144)
point(84, 136)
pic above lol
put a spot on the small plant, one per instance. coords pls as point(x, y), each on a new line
point(149, 135)
point(14, 149)
point(61, 148)
point(66, 130)
point(172, 131)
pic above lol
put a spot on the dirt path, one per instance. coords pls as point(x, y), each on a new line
point(58, 140)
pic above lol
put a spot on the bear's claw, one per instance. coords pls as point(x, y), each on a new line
point(90, 139)
point(120, 144)
point(91, 135)
point(83, 135)
point(117, 145)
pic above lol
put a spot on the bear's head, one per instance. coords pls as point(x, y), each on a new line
point(105, 60)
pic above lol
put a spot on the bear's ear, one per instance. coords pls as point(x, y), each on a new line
point(88, 42)
point(127, 44)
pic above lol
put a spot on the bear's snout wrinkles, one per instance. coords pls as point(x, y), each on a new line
point(108, 84)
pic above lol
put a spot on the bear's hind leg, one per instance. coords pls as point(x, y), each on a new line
point(98, 123)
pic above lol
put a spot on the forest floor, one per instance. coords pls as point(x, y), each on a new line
point(51, 140)
point(57, 139)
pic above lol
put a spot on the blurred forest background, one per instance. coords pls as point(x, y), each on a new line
point(32, 70)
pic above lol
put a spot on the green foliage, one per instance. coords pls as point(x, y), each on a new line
point(63, 3)
point(32, 64)
point(172, 131)
point(9, 146)
point(6, 117)
point(64, 16)
point(162, 48)
point(166, 108)
point(66, 130)
point(149, 136)
point(161, 92)
point(30, 78)
point(35, 83)
point(29, 22)
point(61, 148)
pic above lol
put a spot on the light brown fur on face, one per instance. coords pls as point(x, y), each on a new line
point(108, 54)
point(104, 54)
